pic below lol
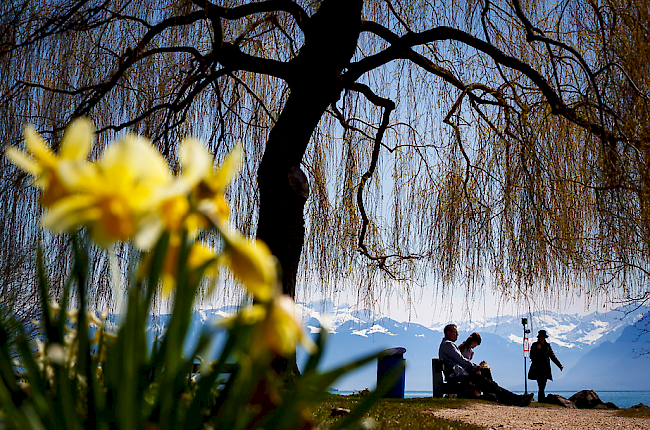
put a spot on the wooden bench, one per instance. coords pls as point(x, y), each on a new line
point(440, 387)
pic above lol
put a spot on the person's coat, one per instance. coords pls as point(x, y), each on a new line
point(540, 366)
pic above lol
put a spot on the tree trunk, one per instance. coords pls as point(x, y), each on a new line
point(330, 41)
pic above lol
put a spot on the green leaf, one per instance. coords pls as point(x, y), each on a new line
point(314, 359)
point(84, 361)
point(51, 332)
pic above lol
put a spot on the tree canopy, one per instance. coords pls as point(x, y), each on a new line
point(388, 144)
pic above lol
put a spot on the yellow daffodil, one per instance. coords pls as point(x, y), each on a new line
point(218, 179)
point(174, 207)
point(195, 162)
point(210, 191)
point(199, 176)
point(280, 332)
point(112, 195)
point(247, 315)
point(251, 262)
point(41, 162)
point(175, 210)
point(199, 255)
point(275, 327)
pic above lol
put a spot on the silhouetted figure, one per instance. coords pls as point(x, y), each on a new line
point(541, 355)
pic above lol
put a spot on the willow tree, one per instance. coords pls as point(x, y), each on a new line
point(387, 143)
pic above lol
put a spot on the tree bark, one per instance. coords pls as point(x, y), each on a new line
point(331, 37)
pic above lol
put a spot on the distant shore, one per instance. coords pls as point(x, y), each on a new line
point(623, 398)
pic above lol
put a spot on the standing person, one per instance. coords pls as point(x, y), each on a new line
point(458, 367)
point(541, 355)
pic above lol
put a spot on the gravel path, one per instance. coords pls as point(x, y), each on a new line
point(512, 417)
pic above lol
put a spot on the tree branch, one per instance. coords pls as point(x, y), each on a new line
point(132, 56)
point(388, 106)
point(400, 47)
point(409, 54)
point(214, 11)
point(232, 58)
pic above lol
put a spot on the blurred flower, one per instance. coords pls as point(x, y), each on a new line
point(215, 182)
point(247, 315)
point(40, 161)
point(251, 262)
point(206, 183)
point(198, 184)
point(56, 354)
point(275, 327)
point(280, 332)
point(199, 254)
point(113, 194)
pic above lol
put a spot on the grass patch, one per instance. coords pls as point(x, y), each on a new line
point(393, 414)
point(634, 413)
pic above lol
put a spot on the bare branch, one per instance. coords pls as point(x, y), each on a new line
point(388, 106)
point(215, 12)
point(400, 49)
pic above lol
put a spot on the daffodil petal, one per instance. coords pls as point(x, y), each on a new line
point(194, 223)
point(252, 263)
point(149, 231)
point(195, 161)
point(199, 255)
point(70, 212)
point(168, 284)
point(247, 315)
point(227, 170)
point(139, 159)
point(78, 176)
point(288, 308)
point(37, 146)
point(281, 331)
point(23, 161)
point(77, 140)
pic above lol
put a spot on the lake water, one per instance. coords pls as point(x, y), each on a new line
point(622, 399)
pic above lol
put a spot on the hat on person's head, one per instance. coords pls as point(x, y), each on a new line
point(542, 333)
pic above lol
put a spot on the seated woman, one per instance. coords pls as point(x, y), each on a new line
point(467, 350)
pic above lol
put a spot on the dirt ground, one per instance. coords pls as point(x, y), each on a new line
point(501, 417)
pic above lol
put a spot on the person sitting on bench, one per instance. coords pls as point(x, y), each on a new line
point(460, 369)
point(467, 350)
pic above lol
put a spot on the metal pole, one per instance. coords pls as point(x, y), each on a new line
point(524, 321)
point(525, 378)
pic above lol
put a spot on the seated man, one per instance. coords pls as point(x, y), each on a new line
point(461, 369)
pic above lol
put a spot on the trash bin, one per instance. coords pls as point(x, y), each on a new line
point(389, 359)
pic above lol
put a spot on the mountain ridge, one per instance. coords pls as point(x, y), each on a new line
point(356, 332)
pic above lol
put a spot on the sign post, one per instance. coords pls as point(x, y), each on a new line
point(524, 322)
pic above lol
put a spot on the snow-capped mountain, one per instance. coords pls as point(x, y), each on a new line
point(572, 337)
point(569, 331)
point(578, 341)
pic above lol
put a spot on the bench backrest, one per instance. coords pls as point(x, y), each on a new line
point(437, 369)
